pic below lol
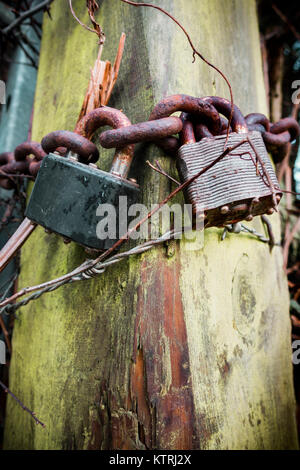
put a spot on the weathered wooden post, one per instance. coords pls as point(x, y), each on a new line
point(174, 349)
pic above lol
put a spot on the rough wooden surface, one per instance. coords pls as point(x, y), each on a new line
point(176, 349)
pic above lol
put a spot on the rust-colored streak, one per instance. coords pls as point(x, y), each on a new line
point(141, 132)
point(161, 379)
point(139, 386)
point(72, 141)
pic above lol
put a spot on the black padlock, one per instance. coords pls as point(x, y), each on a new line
point(69, 189)
point(68, 192)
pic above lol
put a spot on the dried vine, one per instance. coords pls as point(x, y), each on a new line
point(93, 7)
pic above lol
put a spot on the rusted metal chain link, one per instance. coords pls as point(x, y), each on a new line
point(276, 136)
point(207, 117)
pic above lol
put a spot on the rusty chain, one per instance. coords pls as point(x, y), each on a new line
point(200, 118)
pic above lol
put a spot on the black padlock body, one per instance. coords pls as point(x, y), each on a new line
point(66, 196)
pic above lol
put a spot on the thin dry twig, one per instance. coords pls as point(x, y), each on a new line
point(268, 224)
point(286, 21)
point(265, 173)
point(162, 172)
point(6, 335)
point(27, 14)
point(116, 68)
point(92, 6)
point(195, 52)
point(32, 414)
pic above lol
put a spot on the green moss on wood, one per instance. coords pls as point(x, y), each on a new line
point(74, 349)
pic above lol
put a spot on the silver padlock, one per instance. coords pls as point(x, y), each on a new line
point(236, 188)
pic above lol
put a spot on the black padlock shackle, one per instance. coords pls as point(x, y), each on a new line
point(223, 106)
point(195, 130)
point(78, 144)
point(202, 131)
point(106, 116)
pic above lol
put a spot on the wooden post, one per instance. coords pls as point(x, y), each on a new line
point(175, 349)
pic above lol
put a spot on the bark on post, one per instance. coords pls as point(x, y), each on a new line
point(175, 349)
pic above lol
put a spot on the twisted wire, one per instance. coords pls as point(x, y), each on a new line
point(100, 268)
point(91, 272)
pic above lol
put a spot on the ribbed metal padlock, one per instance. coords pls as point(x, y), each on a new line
point(233, 189)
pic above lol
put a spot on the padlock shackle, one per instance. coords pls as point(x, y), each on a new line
point(202, 131)
point(106, 116)
point(187, 104)
point(224, 125)
point(223, 106)
point(187, 135)
point(86, 150)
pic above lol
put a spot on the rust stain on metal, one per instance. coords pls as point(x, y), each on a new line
point(187, 135)
point(104, 116)
point(223, 106)
point(142, 132)
point(25, 149)
point(114, 118)
point(188, 104)
point(278, 136)
point(72, 141)
point(29, 148)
